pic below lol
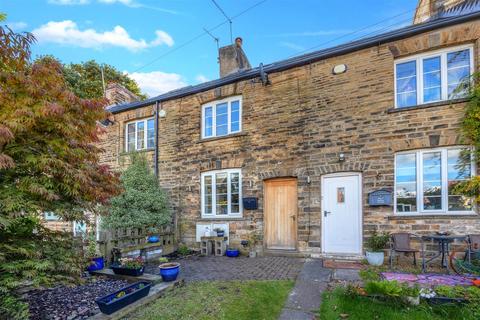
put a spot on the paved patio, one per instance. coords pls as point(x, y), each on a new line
point(199, 268)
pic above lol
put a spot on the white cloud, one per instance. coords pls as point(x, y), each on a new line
point(201, 78)
point(128, 3)
point(292, 46)
point(17, 26)
point(125, 2)
point(162, 38)
point(69, 2)
point(157, 82)
point(67, 32)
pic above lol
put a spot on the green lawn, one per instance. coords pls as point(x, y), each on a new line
point(219, 300)
point(336, 306)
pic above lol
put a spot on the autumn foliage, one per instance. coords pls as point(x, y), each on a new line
point(48, 162)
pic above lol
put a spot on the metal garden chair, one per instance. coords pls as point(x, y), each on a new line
point(401, 243)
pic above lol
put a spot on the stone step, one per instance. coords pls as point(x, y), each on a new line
point(284, 253)
point(154, 278)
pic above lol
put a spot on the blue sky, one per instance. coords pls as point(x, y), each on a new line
point(151, 40)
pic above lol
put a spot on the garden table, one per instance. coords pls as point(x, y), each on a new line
point(443, 247)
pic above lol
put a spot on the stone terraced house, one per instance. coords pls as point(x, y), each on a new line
point(330, 145)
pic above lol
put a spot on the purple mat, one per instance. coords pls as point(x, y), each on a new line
point(431, 279)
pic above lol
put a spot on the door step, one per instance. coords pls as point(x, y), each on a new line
point(284, 253)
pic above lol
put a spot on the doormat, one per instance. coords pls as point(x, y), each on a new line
point(431, 279)
point(342, 264)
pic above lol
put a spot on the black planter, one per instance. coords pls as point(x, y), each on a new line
point(445, 300)
point(109, 304)
point(127, 271)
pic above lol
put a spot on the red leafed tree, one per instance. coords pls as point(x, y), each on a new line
point(48, 162)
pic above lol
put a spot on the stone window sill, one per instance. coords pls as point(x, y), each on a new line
point(428, 105)
point(233, 135)
point(124, 153)
point(471, 216)
point(221, 219)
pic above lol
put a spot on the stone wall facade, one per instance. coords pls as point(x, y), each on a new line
point(296, 127)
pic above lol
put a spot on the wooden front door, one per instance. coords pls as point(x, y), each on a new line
point(280, 211)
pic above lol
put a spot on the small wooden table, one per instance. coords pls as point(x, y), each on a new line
point(213, 245)
point(443, 247)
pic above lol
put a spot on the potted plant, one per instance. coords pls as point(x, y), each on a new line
point(375, 245)
point(168, 270)
point(129, 266)
point(96, 261)
point(220, 232)
point(121, 298)
point(232, 252)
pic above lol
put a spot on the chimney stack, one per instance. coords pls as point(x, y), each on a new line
point(233, 59)
point(428, 10)
point(118, 94)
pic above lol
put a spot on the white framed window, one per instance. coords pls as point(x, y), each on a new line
point(79, 228)
point(433, 76)
point(221, 193)
point(51, 216)
point(140, 135)
point(424, 181)
point(222, 117)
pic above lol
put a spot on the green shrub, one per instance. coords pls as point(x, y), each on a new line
point(392, 289)
point(143, 204)
point(377, 241)
point(183, 250)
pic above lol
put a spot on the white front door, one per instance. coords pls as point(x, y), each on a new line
point(341, 213)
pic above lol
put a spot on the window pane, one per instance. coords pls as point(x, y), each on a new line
point(235, 116)
point(234, 192)
point(432, 181)
point(150, 133)
point(140, 135)
point(458, 70)
point(406, 84)
point(221, 118)
point(458, 171)
point(432, 86)
point(406, 182)
point(208, 122)
point(221, 185)
point(207, 185)
point(131, 137)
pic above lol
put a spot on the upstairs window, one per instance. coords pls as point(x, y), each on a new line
point(424, 181)
point(221, 118)
point(221, 193)
point(140, 135)
point(433, 76)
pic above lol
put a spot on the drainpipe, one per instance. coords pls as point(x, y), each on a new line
point(157, 107)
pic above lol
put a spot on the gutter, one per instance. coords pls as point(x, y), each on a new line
point(157, 104)
point(303, 60)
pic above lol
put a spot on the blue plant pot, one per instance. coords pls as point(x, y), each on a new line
point(153, 239)
point(169, 271)
point(110, 303)
point(96, 264)
point(232, 253)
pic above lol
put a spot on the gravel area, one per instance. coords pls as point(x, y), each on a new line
point(70, 303)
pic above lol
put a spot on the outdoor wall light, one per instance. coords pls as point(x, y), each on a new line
point(162, 113)
point(341, 157)
point(339, 68)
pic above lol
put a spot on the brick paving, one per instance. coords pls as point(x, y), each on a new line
point(199, 268)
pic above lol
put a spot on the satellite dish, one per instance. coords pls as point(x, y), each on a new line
point(263, 75)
